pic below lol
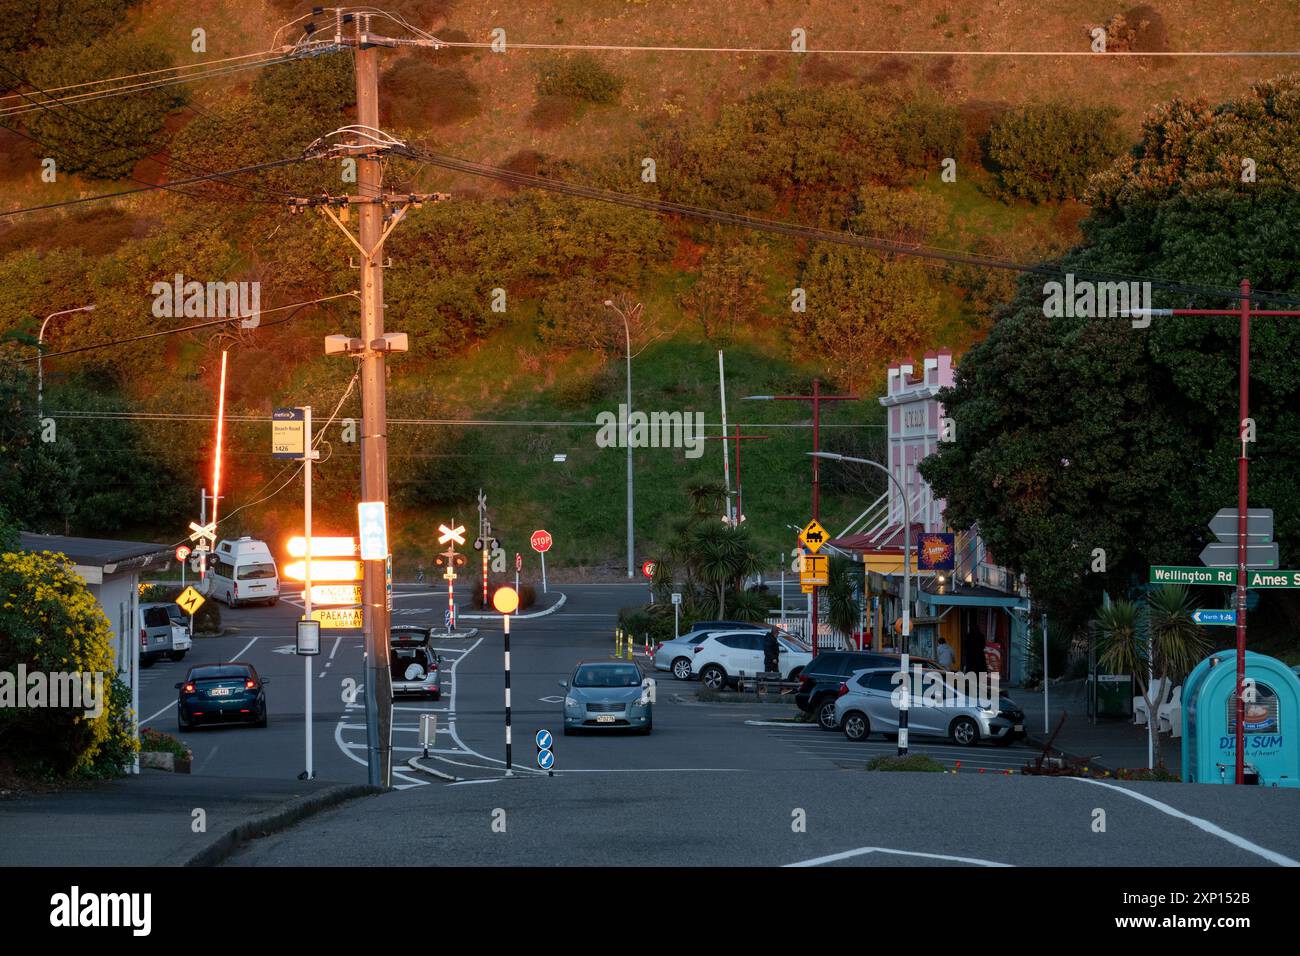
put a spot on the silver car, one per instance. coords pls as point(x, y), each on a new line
point(413, 663)
point(866, 705)
point(608, 695)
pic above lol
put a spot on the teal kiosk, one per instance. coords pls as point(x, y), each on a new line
point(1271, 726)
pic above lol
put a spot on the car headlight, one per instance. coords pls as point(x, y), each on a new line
point(643, 700)
point(570, 702)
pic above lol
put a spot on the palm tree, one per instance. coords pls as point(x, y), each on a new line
point(1158, 639)
point(723, 557)
point(842, 603)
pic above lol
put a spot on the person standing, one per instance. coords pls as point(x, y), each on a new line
point(771, 652)
point(944, 655)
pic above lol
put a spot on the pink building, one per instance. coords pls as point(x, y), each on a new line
point(915, 417)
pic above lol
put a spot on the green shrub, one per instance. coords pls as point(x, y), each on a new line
point(156, 741)
point(581, 77)
point(50, 623)
point(649, 620)
point(917, 763)
point(1048, 151)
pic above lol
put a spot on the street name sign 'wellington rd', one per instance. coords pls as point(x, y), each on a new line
point(1223, 577)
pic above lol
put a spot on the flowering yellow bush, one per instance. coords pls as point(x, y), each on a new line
point(50, 622)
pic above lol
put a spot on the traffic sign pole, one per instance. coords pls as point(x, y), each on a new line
point(310, 771)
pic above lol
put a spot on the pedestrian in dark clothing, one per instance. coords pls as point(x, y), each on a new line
point(972, 652)
point(771, 652)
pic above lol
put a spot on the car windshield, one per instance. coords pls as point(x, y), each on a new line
point(607, 675)
point(220, 671)
point(176, 615)
point(247, 572)
point(793, 645)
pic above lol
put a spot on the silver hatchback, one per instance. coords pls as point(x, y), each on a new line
point(867, 705)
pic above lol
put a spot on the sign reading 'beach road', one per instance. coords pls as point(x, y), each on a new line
point(1223, 577)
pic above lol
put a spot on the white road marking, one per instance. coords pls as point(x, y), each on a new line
point(335, 649)
point(166, 708)
point(863, 851)
point(250, 643)
point(1211, 828)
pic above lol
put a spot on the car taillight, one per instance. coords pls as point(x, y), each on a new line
point(143, 639)
point(805, 682)
point(189, 687)
point(236, 587)
point(844, 689)
point(249, 684)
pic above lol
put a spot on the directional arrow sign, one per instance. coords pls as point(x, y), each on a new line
point(543, 740)
point(1215, 618)
point(1259, 524)
point(1217, 554)
point(545, 759)
point(446, 534)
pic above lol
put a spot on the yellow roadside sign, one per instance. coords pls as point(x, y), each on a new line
point(813, 536)
point(190, 601)
point(816, 571)
point(335, 618)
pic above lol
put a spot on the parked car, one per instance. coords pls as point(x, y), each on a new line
point(675, 655)
point(819, 682)
point(866, 705)
point(725, 656)
point(243, 571)
point(221, 693)
point(608, 695)
point(413, 662)
point(164, 632)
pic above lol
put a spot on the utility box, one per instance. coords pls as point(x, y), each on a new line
point(1114, 695)
point(1271, 725)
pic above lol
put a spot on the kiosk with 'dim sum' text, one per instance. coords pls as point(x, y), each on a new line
point(1271, 727)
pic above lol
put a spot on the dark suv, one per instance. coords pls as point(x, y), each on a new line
point(820, 680)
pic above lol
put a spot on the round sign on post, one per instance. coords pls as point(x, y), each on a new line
point(648, 569)
point(505, 600)
point(182, 552)
point(519, 561)
point(543, 740)
point(541, 541)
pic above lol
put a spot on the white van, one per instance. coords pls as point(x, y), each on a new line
point(243, 571)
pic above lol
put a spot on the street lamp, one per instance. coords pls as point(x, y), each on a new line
point(40, 351)
point(627, 423)
point(907, 586)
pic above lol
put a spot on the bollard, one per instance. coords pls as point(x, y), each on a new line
point(629, 647)
point(618, 643)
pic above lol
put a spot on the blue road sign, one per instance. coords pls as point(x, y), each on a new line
point(1220, 617)
point(543, 740)
point(546, 759)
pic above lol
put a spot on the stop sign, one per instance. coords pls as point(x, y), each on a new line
point(541, 540)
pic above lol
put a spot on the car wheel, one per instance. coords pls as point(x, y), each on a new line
point(273, 602)
point(965, 732)
point(794, 674)
point(146, 662)
point(183, 725)
point(177, 655)
point(682, 668)
point(261, 721)
point(826, 715)
point(713, 677)
point(856, 726)
point(230, 602)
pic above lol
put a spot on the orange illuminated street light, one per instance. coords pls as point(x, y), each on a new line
point(324, 570)
point(340, 547)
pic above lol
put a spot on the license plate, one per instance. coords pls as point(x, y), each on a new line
point(159, 640)
point(605, 719)
point(220, 692)
point(1020, 727)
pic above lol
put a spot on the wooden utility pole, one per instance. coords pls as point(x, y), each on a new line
point(379, 214)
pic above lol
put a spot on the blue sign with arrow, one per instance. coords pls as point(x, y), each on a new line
point(1215, 617)
point(543, 740)
point(546, 759)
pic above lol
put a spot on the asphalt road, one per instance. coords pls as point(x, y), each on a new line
point(716, 783)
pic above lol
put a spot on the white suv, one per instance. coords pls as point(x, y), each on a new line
point(724, 656)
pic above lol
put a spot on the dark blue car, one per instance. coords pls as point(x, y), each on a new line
point(221, 693)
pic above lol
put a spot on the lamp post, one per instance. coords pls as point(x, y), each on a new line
point(906, 698)
point(40, 351)
point(627, 424)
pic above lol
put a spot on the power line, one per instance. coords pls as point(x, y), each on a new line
point(131, 76)
point(73, 113)
point(634, 48)
point(811, 233)
point(190, 328)
point(92, 95)
point(150, 187)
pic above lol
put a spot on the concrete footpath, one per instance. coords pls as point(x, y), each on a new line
point(151, 819)
point(1112, 742)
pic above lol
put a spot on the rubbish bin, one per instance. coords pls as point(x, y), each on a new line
point(1114, 695)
